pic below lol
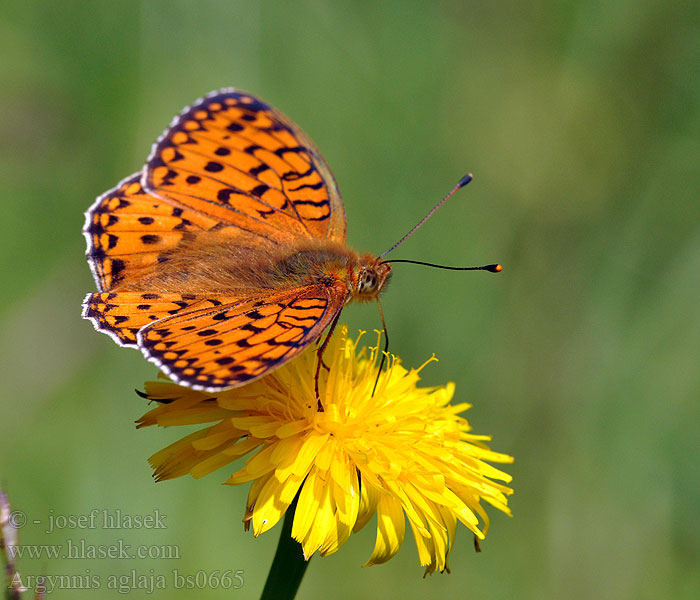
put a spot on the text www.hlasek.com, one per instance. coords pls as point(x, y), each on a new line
point(81, 550)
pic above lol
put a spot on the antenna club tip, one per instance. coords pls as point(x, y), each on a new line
point(465, 180)
point(494, 268)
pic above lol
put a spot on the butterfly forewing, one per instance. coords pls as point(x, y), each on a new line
point(237, 159)
point(231, 344)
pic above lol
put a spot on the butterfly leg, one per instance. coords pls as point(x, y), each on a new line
point(386, 347)
point(320, 358)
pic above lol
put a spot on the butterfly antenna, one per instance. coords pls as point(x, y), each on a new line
point(462, 182)
point(386, 347)
point(495, 268)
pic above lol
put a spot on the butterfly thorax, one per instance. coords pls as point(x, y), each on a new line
point(332, 264)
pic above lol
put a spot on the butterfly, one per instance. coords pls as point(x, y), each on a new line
point(225, 257)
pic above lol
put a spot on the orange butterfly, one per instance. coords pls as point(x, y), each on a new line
point(225, 257)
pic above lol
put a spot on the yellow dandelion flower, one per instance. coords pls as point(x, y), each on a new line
point(403, 453)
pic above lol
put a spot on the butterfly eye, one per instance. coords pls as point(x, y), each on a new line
point(368, 283)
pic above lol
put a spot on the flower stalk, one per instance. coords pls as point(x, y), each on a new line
point(288, 565)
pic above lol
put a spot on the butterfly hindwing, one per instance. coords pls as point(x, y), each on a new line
point(232, 344)
point(122, 314)
point(238, 160)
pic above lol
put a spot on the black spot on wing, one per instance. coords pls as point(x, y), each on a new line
point(206, 332)
point(255, 171)
point(118, 267)
point(150, 239)
point(259, 190)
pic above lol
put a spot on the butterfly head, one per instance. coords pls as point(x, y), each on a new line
point(370, 277)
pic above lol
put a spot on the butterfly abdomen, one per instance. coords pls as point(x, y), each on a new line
point(200, 267)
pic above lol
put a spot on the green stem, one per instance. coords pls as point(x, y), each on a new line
point(288, 566)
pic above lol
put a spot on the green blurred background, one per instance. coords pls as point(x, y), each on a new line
point(581, 123)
